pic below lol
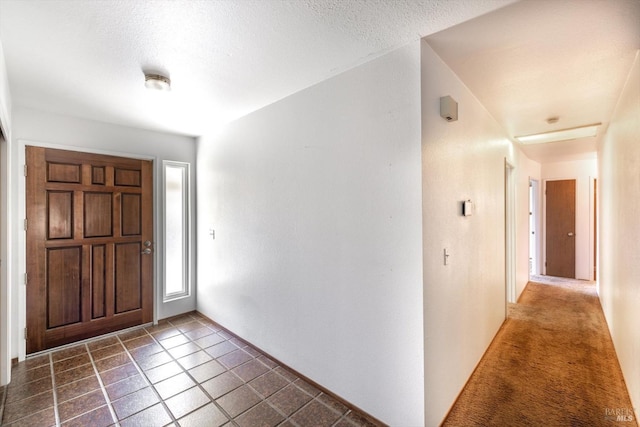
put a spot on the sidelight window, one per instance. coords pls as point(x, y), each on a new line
point(176, 230)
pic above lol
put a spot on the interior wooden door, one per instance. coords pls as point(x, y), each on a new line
point(561, 225)
point(89, 245)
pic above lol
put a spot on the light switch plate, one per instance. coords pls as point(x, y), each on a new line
point(467, 208)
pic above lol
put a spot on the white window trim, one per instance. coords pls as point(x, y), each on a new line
point(186, 232)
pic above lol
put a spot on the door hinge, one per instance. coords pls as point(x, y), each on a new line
point(545, 263)
point(26, 278)
point(25, 170)
point(25, 224)
point(26, 336)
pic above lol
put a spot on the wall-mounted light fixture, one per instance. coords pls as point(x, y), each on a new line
point(157, 82)
point(560, 135)
point(448, 109)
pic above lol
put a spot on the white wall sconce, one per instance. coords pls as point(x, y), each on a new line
point(448, 109)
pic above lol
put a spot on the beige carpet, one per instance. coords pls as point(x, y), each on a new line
point(551, 364)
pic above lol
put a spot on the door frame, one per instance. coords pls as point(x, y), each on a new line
point(7, 260)
point(534, 209)
point(586, 223)
point(22, 252)
point(594, 230)
point(510, 231)
point(544, 220)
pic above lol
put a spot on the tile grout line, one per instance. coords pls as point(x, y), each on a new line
point(264, 399)
point(350, 408)
point(246, 383)
point(102, 387)
point(147, 381)
point(56, 414)
point(313, 399)
point(229, 370)
point(341, 414)
point(181, 329)
point(186, 371)
point(84, 341)
point(290, 418)
point(344, 418)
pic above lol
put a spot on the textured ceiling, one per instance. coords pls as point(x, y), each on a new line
point(537, 59)
point(526, 61)
point(225, 58)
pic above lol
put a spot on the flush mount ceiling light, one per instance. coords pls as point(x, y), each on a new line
point(560, 135)
point(157, 82)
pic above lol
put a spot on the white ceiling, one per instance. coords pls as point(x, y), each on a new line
point(525, 61)
point(538, 59)
point(225, 58)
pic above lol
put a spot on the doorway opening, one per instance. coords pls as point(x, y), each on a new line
point(534, 229)
point(5, 296)
point(595, 229)
point(510, 232)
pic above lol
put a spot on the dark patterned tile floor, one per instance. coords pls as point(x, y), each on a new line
point(186, 371)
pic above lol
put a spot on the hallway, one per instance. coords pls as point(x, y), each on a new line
point(551, 363)
point(323, 220)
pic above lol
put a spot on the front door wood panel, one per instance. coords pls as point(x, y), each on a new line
point(561, 224)
point(64, 286)
point(98, 215)
point(60, 214)
point(88, 218)
point(128, 287)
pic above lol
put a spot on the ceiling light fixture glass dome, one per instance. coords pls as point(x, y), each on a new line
point(157, 82)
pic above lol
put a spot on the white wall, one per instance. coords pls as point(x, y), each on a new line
point(5, 95)
point(619, 202)
point(316, 204)
point(584, 172)
point(464, 302)
point(5, 233)
point(526, 169)
point(32, 127)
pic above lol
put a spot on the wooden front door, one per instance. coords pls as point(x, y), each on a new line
point(89, 245)
point(561, 226)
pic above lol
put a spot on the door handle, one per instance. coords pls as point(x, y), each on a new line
point(147, 251)
point(570, 234)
